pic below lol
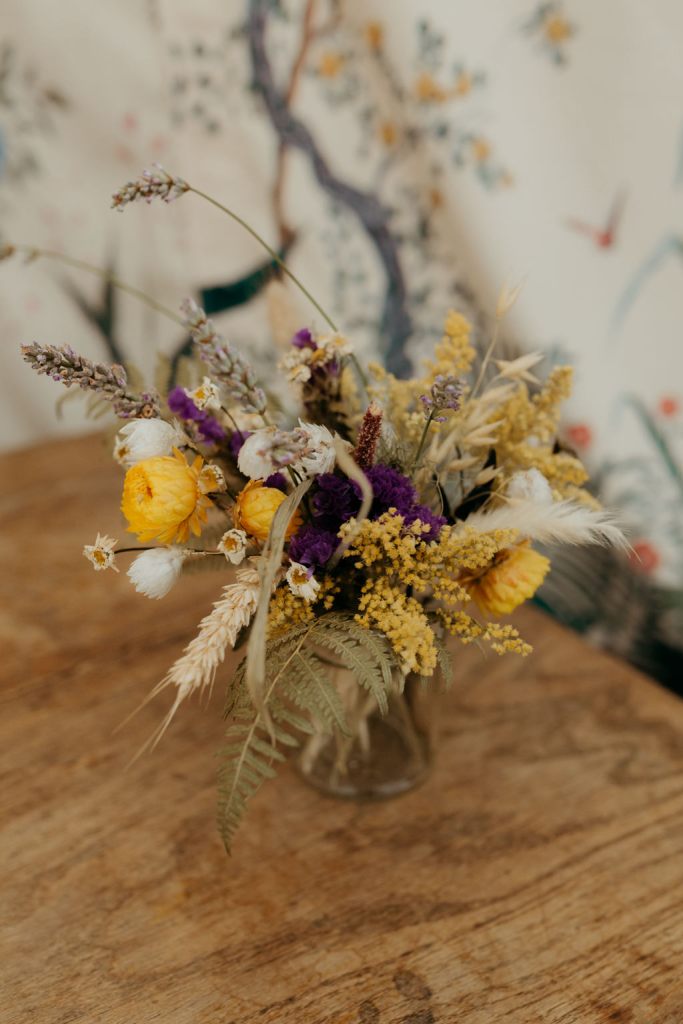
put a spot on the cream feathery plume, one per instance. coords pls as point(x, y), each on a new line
point(195, 670)
point(564, 522)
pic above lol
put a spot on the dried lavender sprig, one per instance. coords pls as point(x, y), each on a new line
point(224, 361)
point(160, 184)
point(68, 367)
point(445, 393)
point(152, 184)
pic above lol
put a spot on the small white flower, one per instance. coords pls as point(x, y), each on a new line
point(302, 582)
point(211, 479)
point(233, 545)
point(154, 572)
point(206, 396)
point(319, 455)
point(143, 439)
point(254, 457)
point(101, 553)
point(296, 366)
point(335, 346)
point(530, 485)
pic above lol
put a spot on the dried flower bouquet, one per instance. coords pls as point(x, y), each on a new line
point(392, 513)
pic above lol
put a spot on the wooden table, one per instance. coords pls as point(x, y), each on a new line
point(536, 877)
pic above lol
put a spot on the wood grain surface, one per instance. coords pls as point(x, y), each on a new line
point(535, 878)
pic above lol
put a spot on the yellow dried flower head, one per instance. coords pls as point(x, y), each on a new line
point(514, 577)
point(164, 499)
point(255, 507)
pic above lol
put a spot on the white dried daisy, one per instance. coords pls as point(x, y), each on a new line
point(211, 479)
point(296, 365)
point(334, 346)
point(101, 553)
point(146, 438)
point(233, 545)
point(319, 455)
point(154, 572)
point(206, 396)
point(302, 582)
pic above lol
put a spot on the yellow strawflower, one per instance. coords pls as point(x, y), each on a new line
point(255, 507)
point(514, 576)
point(164, 498)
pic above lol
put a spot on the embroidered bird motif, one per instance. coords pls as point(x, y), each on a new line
point(605, 237)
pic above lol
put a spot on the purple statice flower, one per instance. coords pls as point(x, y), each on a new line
point(303, 339)
point(390, 489)
point(276, 480)
point(208, 427)
point(237, 439)
point(334, 501)
point(312, 545)
point(426, 516)
point(181, 404)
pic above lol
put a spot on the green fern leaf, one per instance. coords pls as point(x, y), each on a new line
point(363, 652)
point(255, 735)
point(308, 686)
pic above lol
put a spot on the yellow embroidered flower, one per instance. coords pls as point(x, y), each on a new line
point(255, 507)
point(164, 498)
point(388, 133)
point(374, 35)
point(330, 64)
point(481, 149)
point(514, 576)
point(557, 29)
point(428, 90)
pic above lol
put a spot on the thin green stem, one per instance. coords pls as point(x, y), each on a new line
point(359, 370)
point(422, 441)
point(485, 362)
point(280, 262)
point(104, 275)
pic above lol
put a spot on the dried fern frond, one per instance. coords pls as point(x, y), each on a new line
point(255, 736)
point(364, 652)
point(296, 681)
point(564, 522)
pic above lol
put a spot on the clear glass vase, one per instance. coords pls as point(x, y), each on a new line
point(383, 755)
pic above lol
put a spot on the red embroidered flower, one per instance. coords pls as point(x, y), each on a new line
point(645, 556)
point(669, 405)
point(580, 434)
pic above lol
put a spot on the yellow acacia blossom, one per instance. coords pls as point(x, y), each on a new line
point(287, 611)
point(503, 639)
point(513, 577)
point(398, 561)
point(386, 606)
point(526, 429)
point(255, 508)
point(453, 356)
point(165, 498)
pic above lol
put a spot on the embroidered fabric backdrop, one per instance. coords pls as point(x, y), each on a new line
point(406, 156)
